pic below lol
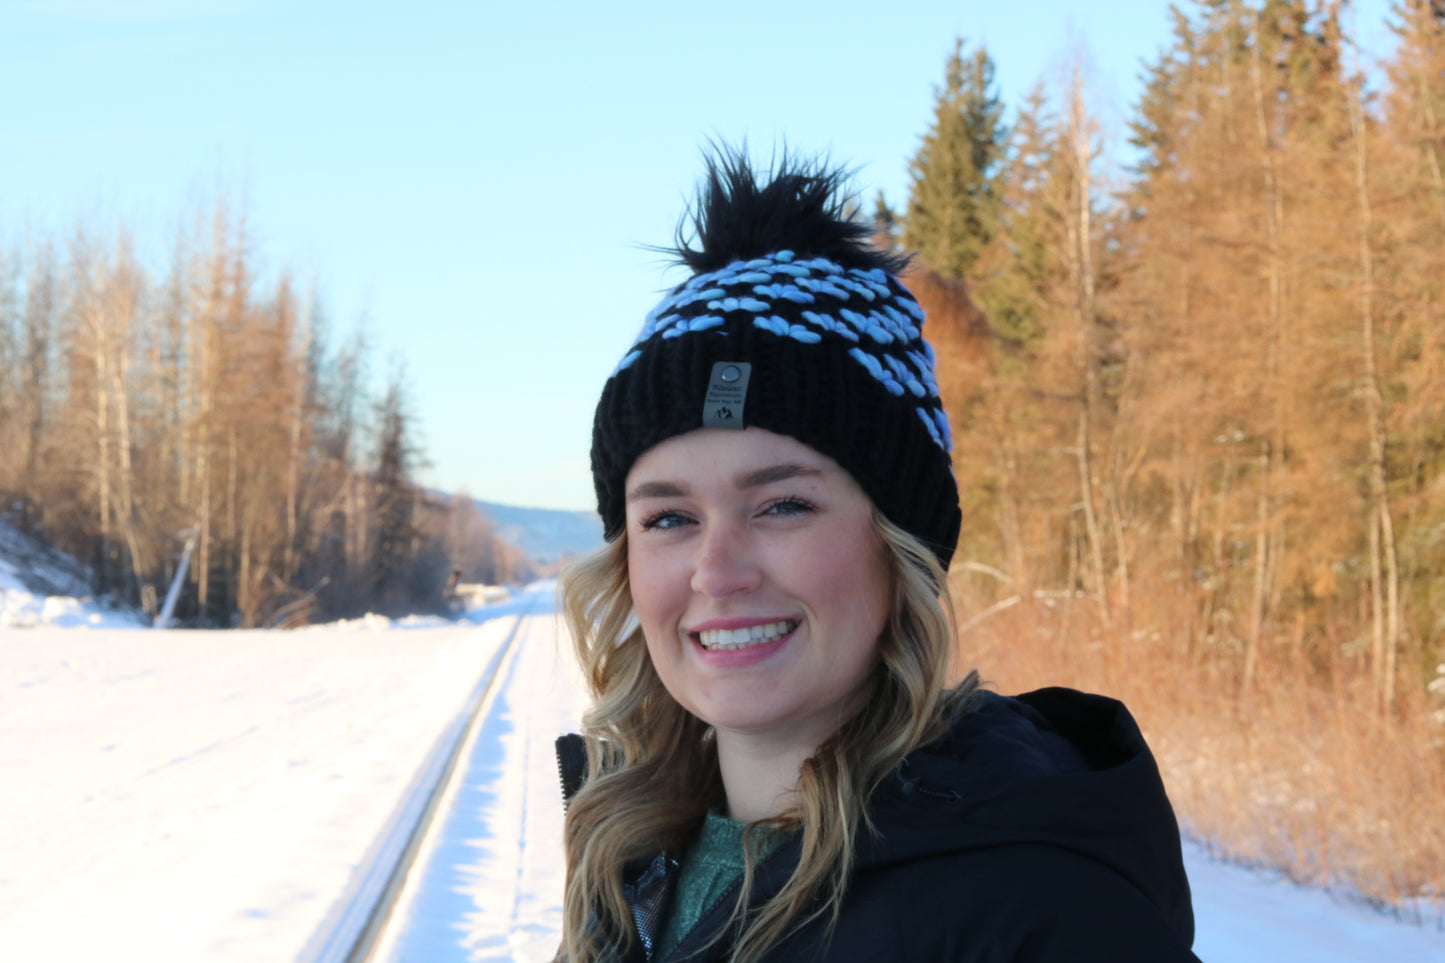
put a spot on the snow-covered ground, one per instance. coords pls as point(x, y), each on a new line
point(55, 593)
point(493, 881)
point(208, 797)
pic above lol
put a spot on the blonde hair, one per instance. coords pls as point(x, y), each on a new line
point(652, 766)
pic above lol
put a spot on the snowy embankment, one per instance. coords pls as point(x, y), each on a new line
point(56, 591)
point(210, 797)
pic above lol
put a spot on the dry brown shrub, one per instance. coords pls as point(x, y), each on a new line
point(1301, 773)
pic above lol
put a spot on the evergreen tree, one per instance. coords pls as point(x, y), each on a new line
point(1015, 276)
point(395, 499)
point(1154, 132)
point(885, 224)
point(954, 197)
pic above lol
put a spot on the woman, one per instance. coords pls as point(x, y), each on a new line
point(774, 767)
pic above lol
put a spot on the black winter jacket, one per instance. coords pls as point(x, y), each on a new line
point(1036, 831)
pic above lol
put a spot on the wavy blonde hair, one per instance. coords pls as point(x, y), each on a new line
point(652, 766)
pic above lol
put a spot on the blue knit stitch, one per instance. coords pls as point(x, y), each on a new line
point(932, 428)
point(901, 372)
point(677, 330)
point(774, 324)
point(828, 323)
point(813, 284)
point(944, 431)
point(925, 372)
point(903, 324)
point(875, 368)
point(884, 322)
point(822, 264)
point(857, 287)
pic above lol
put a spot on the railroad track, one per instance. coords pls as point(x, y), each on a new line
point(358, 933)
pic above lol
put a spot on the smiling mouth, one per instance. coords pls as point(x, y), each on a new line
point(715, 640)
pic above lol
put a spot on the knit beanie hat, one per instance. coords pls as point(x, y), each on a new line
point(794, 323)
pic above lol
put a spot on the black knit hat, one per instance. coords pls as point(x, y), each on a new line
point(794, 323)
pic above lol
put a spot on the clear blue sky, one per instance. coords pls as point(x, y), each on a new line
point(473, 182)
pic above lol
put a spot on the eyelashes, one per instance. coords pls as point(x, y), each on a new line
point(664, 520)
point(786, 506)
point(789, 505)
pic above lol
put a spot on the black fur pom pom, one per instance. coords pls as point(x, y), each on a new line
point(799, 206)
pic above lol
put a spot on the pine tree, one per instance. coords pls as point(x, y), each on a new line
point(885, 224)
point(953, 203)
point(395, 498)
point(1013, 276)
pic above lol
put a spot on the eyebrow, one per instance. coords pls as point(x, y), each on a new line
point(774, 473)
point(752, 479)
point(656, 489)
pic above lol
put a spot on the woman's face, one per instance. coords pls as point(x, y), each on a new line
point(759, 581)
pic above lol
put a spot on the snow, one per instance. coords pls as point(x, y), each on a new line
point(493, 884)
point(52, 590)
point(1251, 915)
point(207, 796)
point(215, 797)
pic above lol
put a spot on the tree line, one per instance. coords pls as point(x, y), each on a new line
point(147, 415)
point(1206, 397)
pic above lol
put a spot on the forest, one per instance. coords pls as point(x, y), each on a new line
point(1199, 412)
point(203, 410)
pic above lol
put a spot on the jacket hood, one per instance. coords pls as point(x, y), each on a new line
point(1053, 767)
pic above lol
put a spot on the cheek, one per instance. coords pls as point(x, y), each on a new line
point(853, 584)
point(653, 585)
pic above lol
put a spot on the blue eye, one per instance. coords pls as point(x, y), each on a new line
point(665, 521)
point(788, 506)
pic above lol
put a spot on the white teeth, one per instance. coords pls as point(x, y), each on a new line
point(728, 639)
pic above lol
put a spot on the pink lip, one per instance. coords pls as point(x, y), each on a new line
point(739, 658)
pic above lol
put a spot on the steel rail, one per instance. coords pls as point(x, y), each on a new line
point(353, 934)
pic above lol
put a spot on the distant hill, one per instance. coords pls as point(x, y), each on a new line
point(545, 534)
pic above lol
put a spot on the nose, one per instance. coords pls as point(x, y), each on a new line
point(726, 563)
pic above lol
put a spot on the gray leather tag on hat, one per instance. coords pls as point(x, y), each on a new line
point(727, 393)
